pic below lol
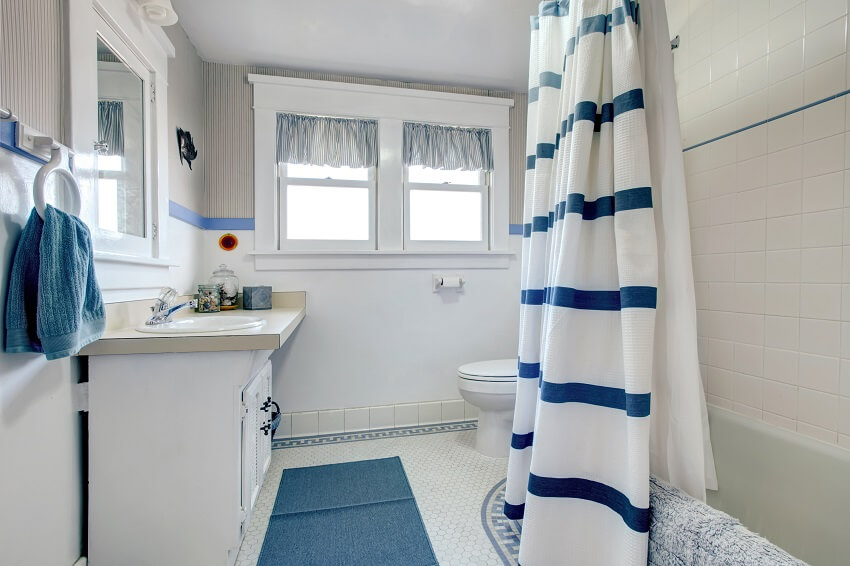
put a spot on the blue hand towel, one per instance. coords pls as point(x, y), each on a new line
point(54, 304)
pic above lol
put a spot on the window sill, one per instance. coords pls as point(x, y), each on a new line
point(296, 260)
point(111, 257)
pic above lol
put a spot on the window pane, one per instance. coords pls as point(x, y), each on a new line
point(107, 204)
point(445, 215)
point(419, 174)
point(121, 121)
point(327, 172)
point(110, 163)
point(327, 213)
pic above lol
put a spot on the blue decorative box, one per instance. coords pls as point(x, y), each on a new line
point(256, 298)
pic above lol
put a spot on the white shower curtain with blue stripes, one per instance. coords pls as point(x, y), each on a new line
point(578, 471)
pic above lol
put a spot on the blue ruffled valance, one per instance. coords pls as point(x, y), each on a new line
point(321, 140)
point(447, 147)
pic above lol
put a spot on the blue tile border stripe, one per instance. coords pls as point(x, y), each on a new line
point(188, 216)
point(504, 533)
point(767, 120)
point(180, 212)
point(400, 432)
point(9, 142)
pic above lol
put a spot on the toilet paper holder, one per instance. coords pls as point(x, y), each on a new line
point(439, 282)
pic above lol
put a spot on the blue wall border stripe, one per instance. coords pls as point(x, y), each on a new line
point(767, 120)
point(180, 212)
point(229, 224)
point(188, 216)
point(9, 141)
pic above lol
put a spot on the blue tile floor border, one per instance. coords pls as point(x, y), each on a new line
point(504, 533)
point(372, 434)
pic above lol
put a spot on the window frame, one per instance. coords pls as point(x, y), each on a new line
point(284, 180)
point(483, 188)
point(391, 107)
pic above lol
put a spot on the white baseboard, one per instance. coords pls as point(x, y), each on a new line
point(334, 421)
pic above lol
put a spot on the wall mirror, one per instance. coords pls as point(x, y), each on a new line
point(124, 105)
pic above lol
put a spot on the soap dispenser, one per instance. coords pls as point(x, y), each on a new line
point(228, 284)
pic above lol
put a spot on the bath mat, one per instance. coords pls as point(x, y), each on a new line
point(341, 485)
point(356, 513)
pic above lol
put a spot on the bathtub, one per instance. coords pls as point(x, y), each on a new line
point(793, 490)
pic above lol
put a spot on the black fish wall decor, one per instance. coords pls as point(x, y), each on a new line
point(186, 147)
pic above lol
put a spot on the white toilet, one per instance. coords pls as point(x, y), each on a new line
point(491, 386)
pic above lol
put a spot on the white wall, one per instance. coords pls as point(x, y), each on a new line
point(378, 337)
point(770, 206)
point(185, 110)
point(185, 186)
point(40, 459)
point(186, 244)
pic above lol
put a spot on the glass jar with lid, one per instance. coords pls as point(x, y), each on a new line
point(229, 286)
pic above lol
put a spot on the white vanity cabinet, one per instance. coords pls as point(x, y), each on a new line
point(177, 453)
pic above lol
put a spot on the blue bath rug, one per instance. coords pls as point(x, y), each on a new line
point(352, 514)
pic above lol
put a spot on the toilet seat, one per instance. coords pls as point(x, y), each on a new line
point(494, 371)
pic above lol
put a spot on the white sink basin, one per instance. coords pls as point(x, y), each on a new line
point(203, 323)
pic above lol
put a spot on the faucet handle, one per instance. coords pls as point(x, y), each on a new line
point(167, 296)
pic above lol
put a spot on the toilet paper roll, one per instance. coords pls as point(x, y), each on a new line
point(452, 282)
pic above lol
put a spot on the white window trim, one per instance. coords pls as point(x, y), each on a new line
point(287, 244)
point(483, 187)
point(391, 107)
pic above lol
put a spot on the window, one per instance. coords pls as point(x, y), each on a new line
point(326, 172)
point(446, 189)
point(445, 209)
point(378, 177)
point(323, 207)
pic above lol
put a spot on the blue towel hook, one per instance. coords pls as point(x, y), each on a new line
point(54, 166)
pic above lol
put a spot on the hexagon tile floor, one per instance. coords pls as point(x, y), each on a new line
point(457, 489)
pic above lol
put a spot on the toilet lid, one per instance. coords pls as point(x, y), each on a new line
point(490, 370)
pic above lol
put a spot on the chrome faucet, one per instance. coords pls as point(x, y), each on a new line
point(164, 307)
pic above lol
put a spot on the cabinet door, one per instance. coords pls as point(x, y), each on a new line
point(250, 427)
point(264, 441)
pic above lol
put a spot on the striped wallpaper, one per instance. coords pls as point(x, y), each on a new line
point(32, 77)
point(228, 172)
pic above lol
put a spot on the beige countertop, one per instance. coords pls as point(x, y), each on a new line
point(121, 337)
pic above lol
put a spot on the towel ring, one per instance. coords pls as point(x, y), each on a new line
point(55, 166)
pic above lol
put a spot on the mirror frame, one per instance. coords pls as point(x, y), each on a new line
point(124, 274)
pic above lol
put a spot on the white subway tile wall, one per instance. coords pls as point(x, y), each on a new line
point(769, 205)
point(361, 419)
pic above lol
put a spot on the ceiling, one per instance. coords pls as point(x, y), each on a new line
point(479, 43)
